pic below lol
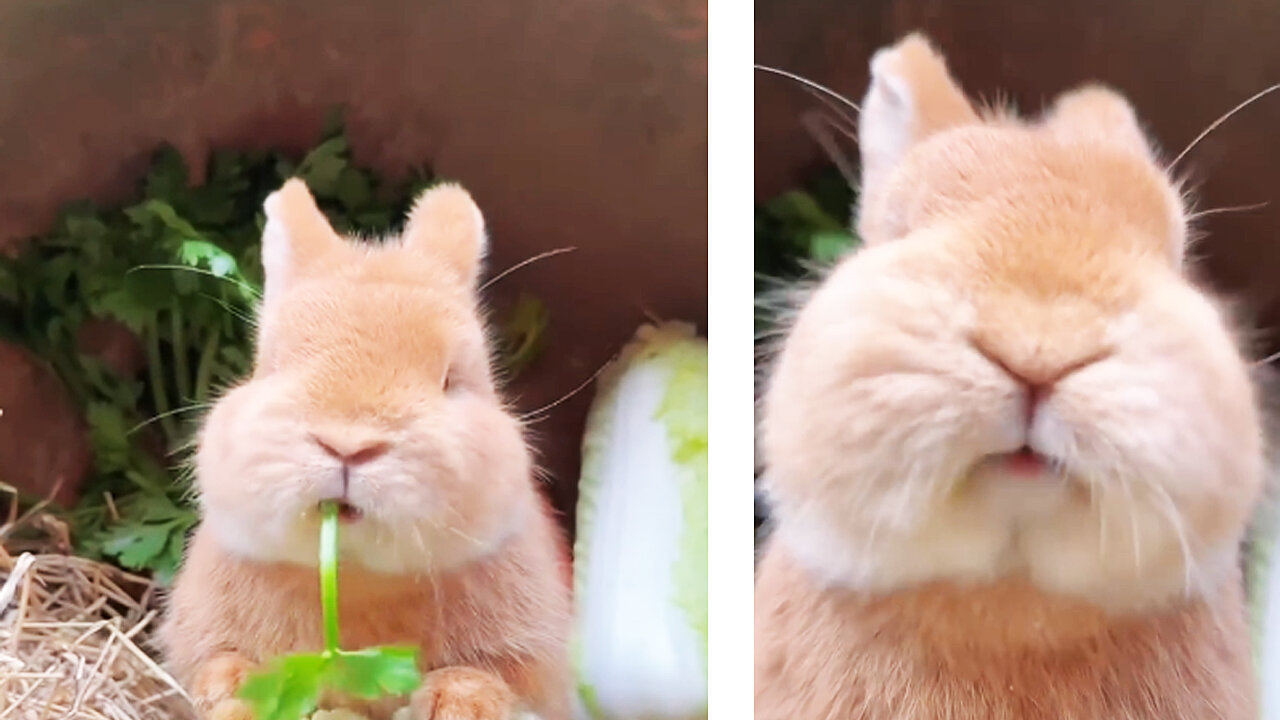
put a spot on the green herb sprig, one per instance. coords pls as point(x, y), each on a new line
point(290, 686)
point(801, 229)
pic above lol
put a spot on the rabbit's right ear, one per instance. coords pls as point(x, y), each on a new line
point(297, 236)
point(1096, 113)
point(912, 96)
point(446, 225)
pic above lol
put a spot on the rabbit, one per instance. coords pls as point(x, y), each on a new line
point(1011, 447)
point(371, 386)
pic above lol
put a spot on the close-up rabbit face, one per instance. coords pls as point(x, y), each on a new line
point(371, 387)
point(1014, 376)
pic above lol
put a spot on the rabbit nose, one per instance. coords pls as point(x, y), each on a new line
point(1037, 370)
point(352, 447)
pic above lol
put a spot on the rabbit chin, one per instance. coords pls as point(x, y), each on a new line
point(400, 549)
point(998, 523)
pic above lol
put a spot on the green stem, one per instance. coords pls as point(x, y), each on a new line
point(204, 371)
point(159, 395)
point(68, 370)
point(329, 576)
point(180, 365)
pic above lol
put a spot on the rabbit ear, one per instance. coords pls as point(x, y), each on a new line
point(446, 224)
point(1097, 114)
point(912, 96)
point(297, 236)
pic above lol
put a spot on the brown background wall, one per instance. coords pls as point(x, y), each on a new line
point(574, 122)
point(1181, 62)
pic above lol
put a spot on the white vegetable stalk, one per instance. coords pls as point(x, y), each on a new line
point(1265, 599)
point(640, 560)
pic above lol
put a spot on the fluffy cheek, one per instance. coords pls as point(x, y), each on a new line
point(454, 486)
point(456, 491)
point(1166, 438)
point(875, 411)
point(257, 476)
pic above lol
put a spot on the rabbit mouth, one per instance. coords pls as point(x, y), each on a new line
point(348, 513)
point(1025, 462)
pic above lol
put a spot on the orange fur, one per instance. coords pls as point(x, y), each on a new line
point(1021, 286)
point(1001, 652)
point(463, 693)
point(376, 355)
point(215, 686)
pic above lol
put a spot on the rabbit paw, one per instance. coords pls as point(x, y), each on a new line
point(230, 709)
point(463, 693)
point(216, 685)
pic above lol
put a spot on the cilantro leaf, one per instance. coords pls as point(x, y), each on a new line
point(289, 688)
point(159, 215)
point(153, 536)
point(322, 168)
point(375, 672)
point(168, 176)
point(524, 333)
point(10, 288)
point(825, 247)
point(354, 190)
point(200, 253)
point(136, 546)
point(109, 435)
point(122, 306)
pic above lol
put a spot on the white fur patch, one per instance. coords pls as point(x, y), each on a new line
point(886, 122)
point(277, 251)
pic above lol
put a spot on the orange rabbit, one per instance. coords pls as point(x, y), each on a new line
point(1011, 449)
point(372, 386)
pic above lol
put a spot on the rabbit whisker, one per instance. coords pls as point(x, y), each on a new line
point(1131, 506)
point(540, 413)
point(819, 126)
point(1216, 123)
point(1223, 210)
point(811, 85)
point(170, 413)
point(524, 263)
point(1170, 512)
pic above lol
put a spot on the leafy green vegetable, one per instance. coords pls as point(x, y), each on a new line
point(641, 546)
point(178, 271)
point(289, 688)
point(1259, 575)
point(524, 333)
point(797, 231)
point(804, 226)
point(684, 413)
point(153, 538)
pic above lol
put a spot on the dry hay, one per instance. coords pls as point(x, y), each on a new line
point(74, 635)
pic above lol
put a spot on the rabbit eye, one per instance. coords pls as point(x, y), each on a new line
point(450, 381)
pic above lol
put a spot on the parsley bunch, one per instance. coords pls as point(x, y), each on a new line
point(804, 228)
